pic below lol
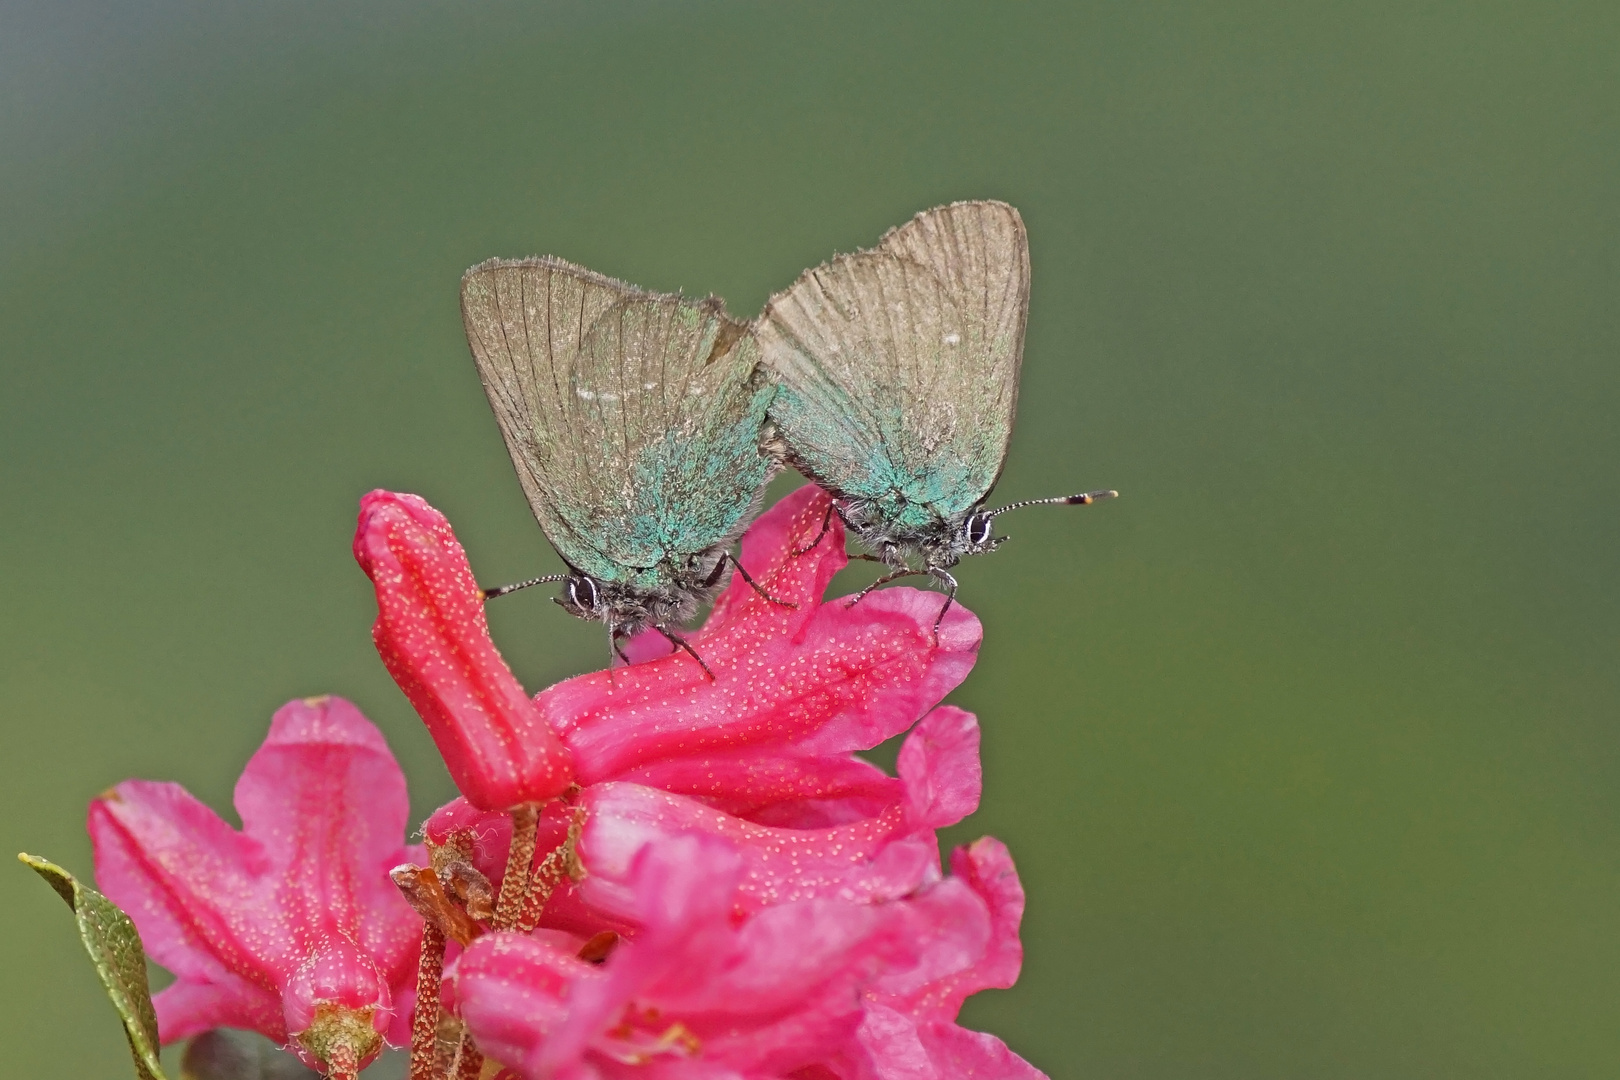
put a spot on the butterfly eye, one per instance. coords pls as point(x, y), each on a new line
point(582, 593)
point(978, 529)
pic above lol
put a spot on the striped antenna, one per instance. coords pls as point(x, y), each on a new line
point(1085, 498)
point(502, 590)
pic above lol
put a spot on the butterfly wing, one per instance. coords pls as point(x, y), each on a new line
point(632, 417)
point(899, 366)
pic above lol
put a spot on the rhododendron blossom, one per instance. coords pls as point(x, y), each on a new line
point(432, 636)
point(291, 926)
point(745, 788)
point(698, 876)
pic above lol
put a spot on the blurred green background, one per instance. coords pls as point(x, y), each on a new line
point(1306, 746)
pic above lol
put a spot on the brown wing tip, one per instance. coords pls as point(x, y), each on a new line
point(555, 265)
point(1008, 209)
point(961, 206)
point(710, 304)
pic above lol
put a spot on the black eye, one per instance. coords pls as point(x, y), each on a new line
point(582, 591)
point(978, 529)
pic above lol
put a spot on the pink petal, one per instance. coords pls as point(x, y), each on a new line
point(188, 1007)
point(182, 874)
point(959, 1054)
point(899, 1048)
point(763, 999)
point(326, 802)
point(241, 917)
point(939, 767)
point(433, 638)
point(865, 860)
point(748, 782)
point(967, 930)
point(987, 866)
point(823, 679)
point(515, 992)
point(490, 833)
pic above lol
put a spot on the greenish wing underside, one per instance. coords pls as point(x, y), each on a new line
point(900, 364)
point(632, 417)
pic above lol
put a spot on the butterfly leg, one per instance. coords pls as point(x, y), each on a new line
point(826, 523)
point(681, 643)
point(614, 648)
point(756, 585)
point(894, 575)
point(950, 595)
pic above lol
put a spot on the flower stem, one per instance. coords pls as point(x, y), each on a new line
point(425, 1024)
point(515, 883)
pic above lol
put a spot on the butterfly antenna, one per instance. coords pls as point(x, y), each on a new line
point(1085, 498)
point(502, 590)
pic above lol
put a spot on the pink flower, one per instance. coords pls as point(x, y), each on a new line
point(793, 685)
point(884, 855)
point(694, 994)
point(796, 691)
point(965, 930)
point(290, 927)
point(762, 755)
point(808, 988)
point(780, 901)
point(435, 642)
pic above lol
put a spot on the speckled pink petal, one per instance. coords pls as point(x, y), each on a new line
point(987, 866)
point(301, 893)
point(490, 833)
point(749, 782)
point(820, 678)
point(866, 860)
point(899, 1048)
point(188, 1007)
point(188, 880)
point(760, 999)
point(515, 992)
point(433, 638)
point(967, 930)
point(939, 768)
point(326, 803)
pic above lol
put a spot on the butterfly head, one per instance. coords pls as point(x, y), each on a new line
point(582, 597)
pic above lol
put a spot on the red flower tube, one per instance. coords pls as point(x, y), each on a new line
point(435, 642)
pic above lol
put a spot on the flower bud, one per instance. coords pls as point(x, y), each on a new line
point(435, 642)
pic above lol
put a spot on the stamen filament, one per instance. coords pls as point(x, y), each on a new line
point(515, 883)
point(425, 1024)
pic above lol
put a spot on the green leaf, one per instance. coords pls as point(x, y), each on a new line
point(240, 1055)
point(115, 949)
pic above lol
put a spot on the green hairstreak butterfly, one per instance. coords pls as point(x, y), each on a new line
point(898, 377)
point(634, 421)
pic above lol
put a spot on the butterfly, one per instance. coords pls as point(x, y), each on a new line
point(634, 420)
point(897, 372)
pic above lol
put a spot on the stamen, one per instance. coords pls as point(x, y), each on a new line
point(560, 864)
point(425, 1024)
point(515, 883)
